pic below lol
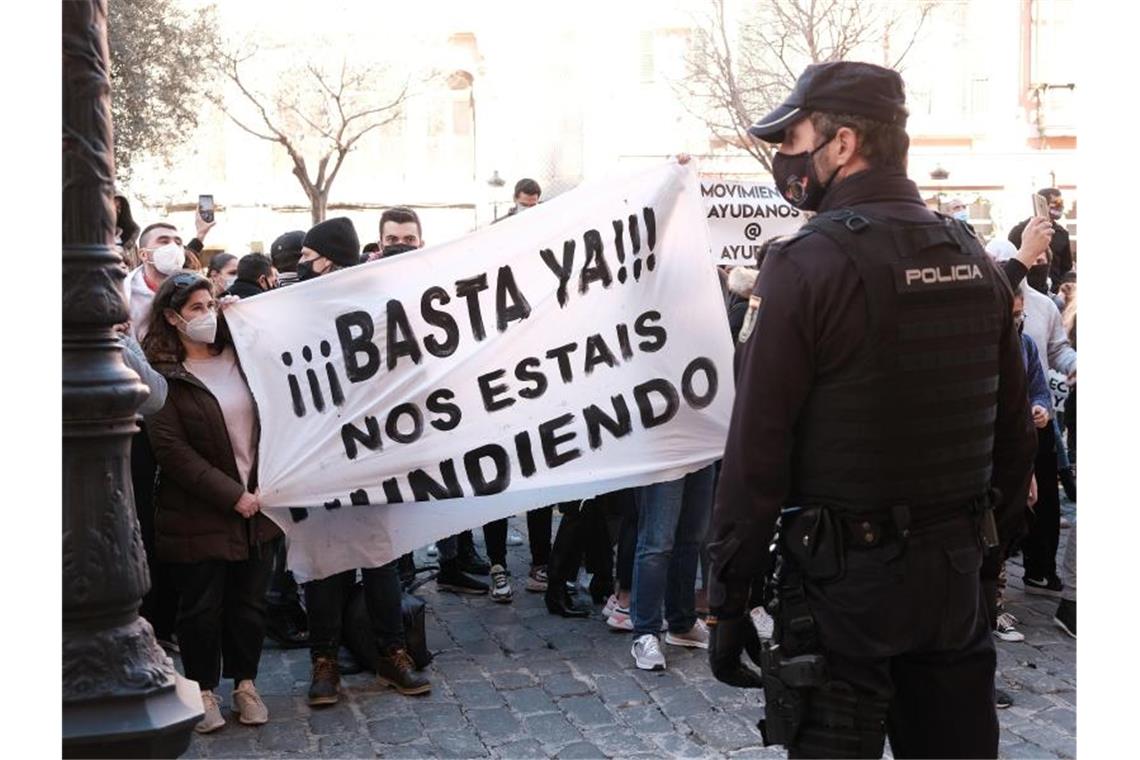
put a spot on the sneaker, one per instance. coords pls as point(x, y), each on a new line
point(325, 686)
point(647, 653)
point(1006, 629)
point(611, 605)
point(619, 619)
point(697, 636)
point(248, 705)
point(763, 623)
point(514, 538)
point(1066, 617)
point(1043, 586)
point(536, 579)
point(1002, 699)
point(500, 585)
point(212, 720)
point(396, 669)
point(432, 551)
point(451, 578)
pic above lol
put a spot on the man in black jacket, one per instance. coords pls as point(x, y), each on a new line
point(255, 275)
point(881, 396)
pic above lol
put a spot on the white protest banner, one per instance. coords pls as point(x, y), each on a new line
point(742, 215)
point(576, 348)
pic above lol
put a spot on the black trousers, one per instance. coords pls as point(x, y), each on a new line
point(627, 545)
point(326, 598)
point(1040, 546)
point(221, 617)
point(495, 536)
point(538, 526)
point(160, 605)
point(909, 652)
point(283, 596)
point(582, 532)
point(1071, 424)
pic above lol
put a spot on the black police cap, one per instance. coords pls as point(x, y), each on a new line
point(863, 89)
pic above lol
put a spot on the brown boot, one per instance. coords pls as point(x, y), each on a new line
point(396, 669)
point(325, 688)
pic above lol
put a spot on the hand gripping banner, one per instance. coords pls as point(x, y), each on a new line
point(574, 349)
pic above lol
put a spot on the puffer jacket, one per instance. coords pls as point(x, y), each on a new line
point(198, 483)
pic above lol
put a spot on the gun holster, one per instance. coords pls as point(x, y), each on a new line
point(785, 681)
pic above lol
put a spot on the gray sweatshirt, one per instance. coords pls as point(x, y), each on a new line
point(135, 359)
point(1043, 324)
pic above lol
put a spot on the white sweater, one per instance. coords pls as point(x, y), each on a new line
point(1043, 324)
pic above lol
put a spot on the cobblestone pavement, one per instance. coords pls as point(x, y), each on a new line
point(512, 681)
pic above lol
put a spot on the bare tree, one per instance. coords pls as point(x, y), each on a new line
point(738, 71)
point(319, 115)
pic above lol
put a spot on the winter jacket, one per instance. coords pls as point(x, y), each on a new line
point(197, 484)
point(244, 289)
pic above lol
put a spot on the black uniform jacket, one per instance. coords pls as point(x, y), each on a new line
point(811, 323)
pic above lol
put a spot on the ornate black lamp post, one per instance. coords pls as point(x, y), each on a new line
point(121, 694)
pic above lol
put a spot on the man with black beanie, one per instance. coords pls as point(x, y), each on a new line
point(285, 252)
point(327, 247)
point(330, 245)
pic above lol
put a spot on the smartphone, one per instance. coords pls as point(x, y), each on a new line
point(206, 207)
point(1040, 206)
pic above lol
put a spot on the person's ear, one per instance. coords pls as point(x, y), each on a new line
point(847, 142)
point(171, 316)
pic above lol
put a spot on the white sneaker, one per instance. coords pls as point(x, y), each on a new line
point(763, 623)
point(432, 550)
point(500, 585)
point(697, 636)
point(248, 705)
point(619, 619)
point(611, 605)
point(514, 538)
point(212, 720)
point(647, 653)
point(1006, 628)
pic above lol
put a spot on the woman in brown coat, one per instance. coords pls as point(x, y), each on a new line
point(208, 524)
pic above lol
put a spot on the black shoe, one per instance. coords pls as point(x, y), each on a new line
point(1002, 700)
point(281, 626)
point(470, 562)
point(1069, 483)
point(1066, 617)
point(559, 602)
point(451, 578)
point(396, 669)
point(406, 567)
point(325, 688)
point(469, 559)
point(1043, 586)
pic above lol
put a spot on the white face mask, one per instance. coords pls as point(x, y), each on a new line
point(228, 282)
point(168, 259)
point(961, 216)
point(202, 329)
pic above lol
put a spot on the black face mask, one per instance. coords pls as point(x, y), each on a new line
point(305, 271)
point(1038, 277)
point(397, 248)
point(796, 179)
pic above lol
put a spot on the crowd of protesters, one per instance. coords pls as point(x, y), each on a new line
point(218, 566)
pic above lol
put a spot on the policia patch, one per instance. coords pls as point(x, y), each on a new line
point(749, 319)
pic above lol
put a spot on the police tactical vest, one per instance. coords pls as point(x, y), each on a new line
point(911, 420)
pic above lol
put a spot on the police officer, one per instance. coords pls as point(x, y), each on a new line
point(881, 406)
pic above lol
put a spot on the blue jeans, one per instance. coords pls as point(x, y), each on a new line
point(671, 521)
